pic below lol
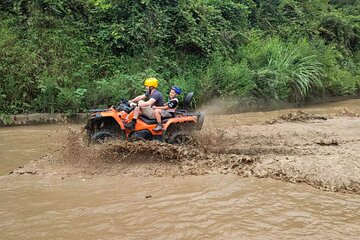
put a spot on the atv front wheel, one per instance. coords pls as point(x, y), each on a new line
point(102, 136)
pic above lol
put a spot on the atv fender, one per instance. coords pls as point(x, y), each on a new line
point(114, 115)
point(104, 123)
point(190, 119)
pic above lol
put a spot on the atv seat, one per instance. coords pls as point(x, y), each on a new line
point(187, 101)
point(153, 120)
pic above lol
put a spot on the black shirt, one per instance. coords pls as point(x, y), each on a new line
point(172, 103)
point(159, 100)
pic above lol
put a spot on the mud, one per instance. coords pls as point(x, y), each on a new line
point(347, 112)
point(298, 116)
point(299, 147)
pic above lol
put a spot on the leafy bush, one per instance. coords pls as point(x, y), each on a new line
point(71, 55)
point(342, 82)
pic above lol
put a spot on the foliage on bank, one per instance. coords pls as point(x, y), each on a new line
point(71, 55)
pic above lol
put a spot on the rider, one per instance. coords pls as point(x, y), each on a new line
point(144, 107)
point(169, 108)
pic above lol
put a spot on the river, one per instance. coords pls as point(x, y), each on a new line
point(214, 205)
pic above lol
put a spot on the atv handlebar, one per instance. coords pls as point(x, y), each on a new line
point(100, 110)
point(124, 105)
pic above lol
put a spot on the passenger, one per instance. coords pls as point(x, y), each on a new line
point(169, 108)
point(145, 107)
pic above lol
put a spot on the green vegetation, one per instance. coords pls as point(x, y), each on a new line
point(71, 55)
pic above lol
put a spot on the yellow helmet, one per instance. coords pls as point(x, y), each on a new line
point(151, 82)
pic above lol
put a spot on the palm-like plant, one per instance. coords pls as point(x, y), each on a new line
point(301, 74)
point(305, 76)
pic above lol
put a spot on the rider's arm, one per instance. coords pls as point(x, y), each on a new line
point(148, 103)
point(138, 98)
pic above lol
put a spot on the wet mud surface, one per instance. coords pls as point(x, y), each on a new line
point(320, 150)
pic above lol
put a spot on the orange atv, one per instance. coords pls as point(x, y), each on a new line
point(109, 123)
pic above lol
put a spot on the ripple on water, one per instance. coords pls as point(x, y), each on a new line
point(198, 207)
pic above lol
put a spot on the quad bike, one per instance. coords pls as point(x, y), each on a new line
point(109, 124)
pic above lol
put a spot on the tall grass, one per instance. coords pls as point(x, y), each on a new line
point(283, 71)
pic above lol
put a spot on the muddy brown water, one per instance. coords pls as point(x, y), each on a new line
point(255, 176)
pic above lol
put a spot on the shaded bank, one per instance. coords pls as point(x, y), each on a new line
point(42, 118)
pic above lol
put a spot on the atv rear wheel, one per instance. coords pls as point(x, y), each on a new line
point(101, 136)
point(182, 137)
point(200, 121)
